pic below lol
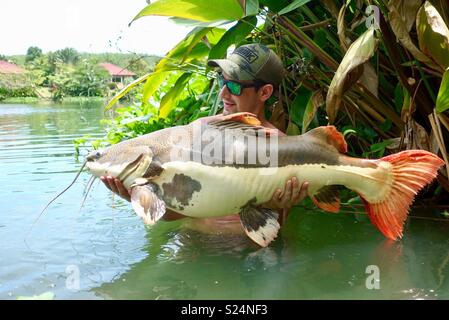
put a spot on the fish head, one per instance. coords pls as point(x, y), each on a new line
point(127, 163)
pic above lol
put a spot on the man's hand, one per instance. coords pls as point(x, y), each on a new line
point(290, 196)
point(284, 200)
point(116, 186)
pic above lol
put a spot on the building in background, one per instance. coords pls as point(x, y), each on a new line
point(119, 75)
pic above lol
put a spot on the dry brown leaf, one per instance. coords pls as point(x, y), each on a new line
point(350, 70)
point(402, 14)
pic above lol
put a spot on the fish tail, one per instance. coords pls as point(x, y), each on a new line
point(411, 171)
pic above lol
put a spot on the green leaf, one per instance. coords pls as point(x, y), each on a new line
point(126, 89)
point(315, 101)
point(252, 7)
point(379, 148)
point(152, 84)
point(319, 37)
point(443, 94)
point(433, 34)
point(292, 6)
point(169, 100)
point(274, 5)
point(299, 105)
point(215, 35)
point(233, 36)
point(183, 49)
point(398, 97)
point(199, 10)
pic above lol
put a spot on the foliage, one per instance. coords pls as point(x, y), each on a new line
point(140, 118)
point(373, 69)
point(67, 55)
point(33, 53)
point(17, 92)
point(84, 79)
point(69, 73)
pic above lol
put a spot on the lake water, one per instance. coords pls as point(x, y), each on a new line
point(105, 252)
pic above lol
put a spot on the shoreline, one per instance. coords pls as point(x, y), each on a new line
point(47, 100)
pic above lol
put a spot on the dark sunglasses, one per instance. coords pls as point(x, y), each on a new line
point(236, 88)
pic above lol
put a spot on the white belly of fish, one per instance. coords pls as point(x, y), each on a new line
point(225, 190)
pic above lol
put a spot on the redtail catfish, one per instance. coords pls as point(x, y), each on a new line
point(224, 165)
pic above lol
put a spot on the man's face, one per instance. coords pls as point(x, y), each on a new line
point(248, 101)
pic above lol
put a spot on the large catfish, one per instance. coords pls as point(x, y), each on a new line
point(198, 171)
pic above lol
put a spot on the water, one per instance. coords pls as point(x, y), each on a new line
point(105, 252)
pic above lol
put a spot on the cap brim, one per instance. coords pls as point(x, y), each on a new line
point(232, 69)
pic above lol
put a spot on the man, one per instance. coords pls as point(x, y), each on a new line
point(248, 78)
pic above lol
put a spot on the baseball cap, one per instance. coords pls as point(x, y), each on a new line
point(250, 62)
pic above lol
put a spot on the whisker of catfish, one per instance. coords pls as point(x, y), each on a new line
point(89, 186)
point(54, 198)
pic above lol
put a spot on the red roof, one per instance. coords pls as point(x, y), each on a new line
point(116, 70)
point(6, 67)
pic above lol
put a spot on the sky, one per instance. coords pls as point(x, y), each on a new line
point(87, 25)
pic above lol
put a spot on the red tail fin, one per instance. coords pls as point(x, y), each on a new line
point(412, 170)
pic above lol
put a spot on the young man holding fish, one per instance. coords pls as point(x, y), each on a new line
point(248, 78)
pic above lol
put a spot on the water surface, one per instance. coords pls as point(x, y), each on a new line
point(105, 252)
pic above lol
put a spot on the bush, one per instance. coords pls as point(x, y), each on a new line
point(17, 92)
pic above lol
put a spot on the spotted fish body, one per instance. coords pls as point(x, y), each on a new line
point(162, 171)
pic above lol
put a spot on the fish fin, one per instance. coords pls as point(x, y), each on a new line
point(147, 204)
point(412, 170)
point(327, 198)
point(242, 117)
point(260, 224)
point(245, 121)
point(330, 135)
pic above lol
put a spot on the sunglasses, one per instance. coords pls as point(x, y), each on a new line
point(236, 88)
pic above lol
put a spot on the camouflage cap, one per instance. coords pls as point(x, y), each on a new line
point(250, 62)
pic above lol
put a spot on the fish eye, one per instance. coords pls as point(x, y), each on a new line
point(94, 155)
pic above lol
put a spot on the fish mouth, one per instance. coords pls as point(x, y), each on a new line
point(127, 172)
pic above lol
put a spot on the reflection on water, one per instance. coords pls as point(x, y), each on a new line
point(316, 256)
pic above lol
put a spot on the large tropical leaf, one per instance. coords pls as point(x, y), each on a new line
point(199, 10)
point(443, 94)
point(215, 35)
point(169, 100)
point(275, 5)
point(183, 50)
point(358, 53)
point(233, 36)
point(315, 101)
point(294, 5)
point(251, 7)
point(152, 84)
point(433, 34)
